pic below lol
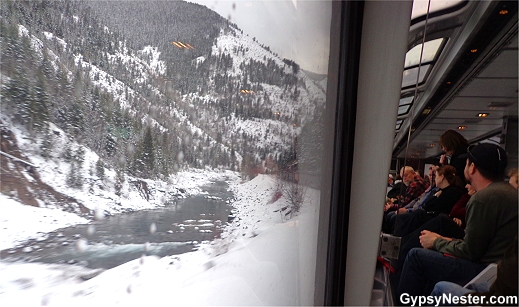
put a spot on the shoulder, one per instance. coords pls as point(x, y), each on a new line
point(500, 188)
point(419, 182)
point(497, 193)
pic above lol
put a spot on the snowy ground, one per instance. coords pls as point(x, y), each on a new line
point(261, 259)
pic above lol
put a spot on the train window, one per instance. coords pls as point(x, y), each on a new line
point(422, 7)
point(425, 54)
point(398, 124)
point(411, 77)
point(169, 151)
point(430, 52)
point(404, 105)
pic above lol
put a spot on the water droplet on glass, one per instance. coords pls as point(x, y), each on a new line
point(45, 299)
point(180, 157)
point(91, 230)
point(81, 245)
point(187, 140)
point(98, 214)
point(153, 228)
point(146, 246)
point(130, 148)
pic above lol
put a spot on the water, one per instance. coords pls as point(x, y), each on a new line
point(175, 229)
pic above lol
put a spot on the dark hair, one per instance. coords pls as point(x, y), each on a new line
point(492, 176)
point(449, 172)
point(450, 140)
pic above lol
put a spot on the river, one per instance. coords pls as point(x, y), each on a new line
point(174, 229)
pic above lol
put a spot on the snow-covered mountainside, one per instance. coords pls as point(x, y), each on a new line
point(93, 89)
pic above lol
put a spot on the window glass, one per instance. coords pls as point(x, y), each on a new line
point(430, 51)
point(399, 124)
point(402, 110)
point(420, 7)
point(409, 75)
point(406, 100)
point(161, 150)
point(404, 105)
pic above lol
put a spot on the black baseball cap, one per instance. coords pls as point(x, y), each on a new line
point(488, 156)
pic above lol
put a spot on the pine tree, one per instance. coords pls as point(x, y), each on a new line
point(46, 145)
point(39, 103)
point(100, 169)
point(148, 156)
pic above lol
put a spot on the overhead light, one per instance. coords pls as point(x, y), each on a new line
point(432, 144)
point(473, 50)
point(462, 127)
point(426, 111)
point(448, 83)
point(503, 12)
point(482, 114)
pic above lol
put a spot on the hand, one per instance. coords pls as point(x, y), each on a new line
point(443, 159)
point(457, 221)
point(401, 211)
point(432, 169)
point(437, 194)
point(427, 238)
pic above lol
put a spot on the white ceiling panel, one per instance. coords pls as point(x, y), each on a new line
point(491, 88)
point(504, 66)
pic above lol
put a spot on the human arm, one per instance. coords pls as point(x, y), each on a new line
point(479, 232)
point(427, 238)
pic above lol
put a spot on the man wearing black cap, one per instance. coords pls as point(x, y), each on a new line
point(491, 225)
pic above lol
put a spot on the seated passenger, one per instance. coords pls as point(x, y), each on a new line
point(439, 201)
point(388, 223)
point(452, 226)
point(459, 211)
point(396, 189)
point(505, 283)
point(491, 227)
point(415, 186)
